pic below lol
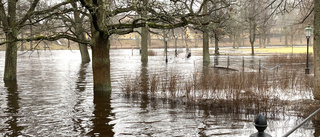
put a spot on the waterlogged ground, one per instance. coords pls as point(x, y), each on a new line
point(54, 97)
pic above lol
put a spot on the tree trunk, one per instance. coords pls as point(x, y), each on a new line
point(85, 58)
point(144, 45)
point(144, 37)
point(252, 47)
point(101, 63)
point(316, 50)
point(252, 35)
point(11, 32)
point(206, 55)
point(10, 70)
point(31, 32)
point(216, 44)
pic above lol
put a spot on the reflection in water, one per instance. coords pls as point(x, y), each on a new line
point(13, 109)
point(81, 81)
point(317, 132)
point(252, 63)
point(102, 113)
point(80, 88)
point(58, 100)
point(316, 125)
point(144, 85)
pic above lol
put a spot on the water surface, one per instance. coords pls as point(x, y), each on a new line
point(54, 97)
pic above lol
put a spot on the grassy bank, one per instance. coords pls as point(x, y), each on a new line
point(298, 49)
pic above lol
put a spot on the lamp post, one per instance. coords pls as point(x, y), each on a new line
point(166, 44)
point(308, 30)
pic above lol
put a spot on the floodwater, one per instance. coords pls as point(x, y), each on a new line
point(54, 97)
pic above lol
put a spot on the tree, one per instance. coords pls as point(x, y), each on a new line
point(205, 48)
point(77, 24)
point(217, 12)
point(252, 24)
point(144, 35)
point(161, 15)
point(11, 26)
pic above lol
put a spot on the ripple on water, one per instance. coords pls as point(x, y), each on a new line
point(55, 98)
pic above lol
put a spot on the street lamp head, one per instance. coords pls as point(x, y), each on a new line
point(308, 30)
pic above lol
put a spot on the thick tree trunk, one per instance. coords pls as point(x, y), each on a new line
point(206, 55)
point(10, 70)
point(205, 40)
point(144, 45)
point(316, 50)
point(144, 37)
point(101, 63)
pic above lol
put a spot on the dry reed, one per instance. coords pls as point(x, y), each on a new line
point(249, 92)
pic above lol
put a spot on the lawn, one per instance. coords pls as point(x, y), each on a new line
point(298, 49)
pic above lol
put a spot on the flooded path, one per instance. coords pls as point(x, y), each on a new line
point(54, 97)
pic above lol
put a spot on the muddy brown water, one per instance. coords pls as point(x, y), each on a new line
point(54, 97)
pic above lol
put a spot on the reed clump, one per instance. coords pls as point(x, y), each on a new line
point(151, 53)
point(241, 91)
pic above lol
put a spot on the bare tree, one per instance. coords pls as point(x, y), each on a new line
point(161, 15)
point(12, 23)
point(78, 25)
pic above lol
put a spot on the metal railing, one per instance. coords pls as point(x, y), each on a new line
point(261, 125)
point(304, 121)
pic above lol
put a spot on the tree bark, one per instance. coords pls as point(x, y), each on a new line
point(144, 45)
point(101, 63)
point(11, 32)
point(206, 55)
point(10, 70)
point(316, 50)
point(216, 44)
point(144, 37)
point(205, 40)
point(85, 58)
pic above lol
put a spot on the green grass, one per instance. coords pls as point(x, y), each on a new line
point(281, 50)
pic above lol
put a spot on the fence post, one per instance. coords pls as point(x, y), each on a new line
point(261, 124)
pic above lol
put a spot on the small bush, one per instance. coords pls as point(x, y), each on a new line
point(151, 53)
